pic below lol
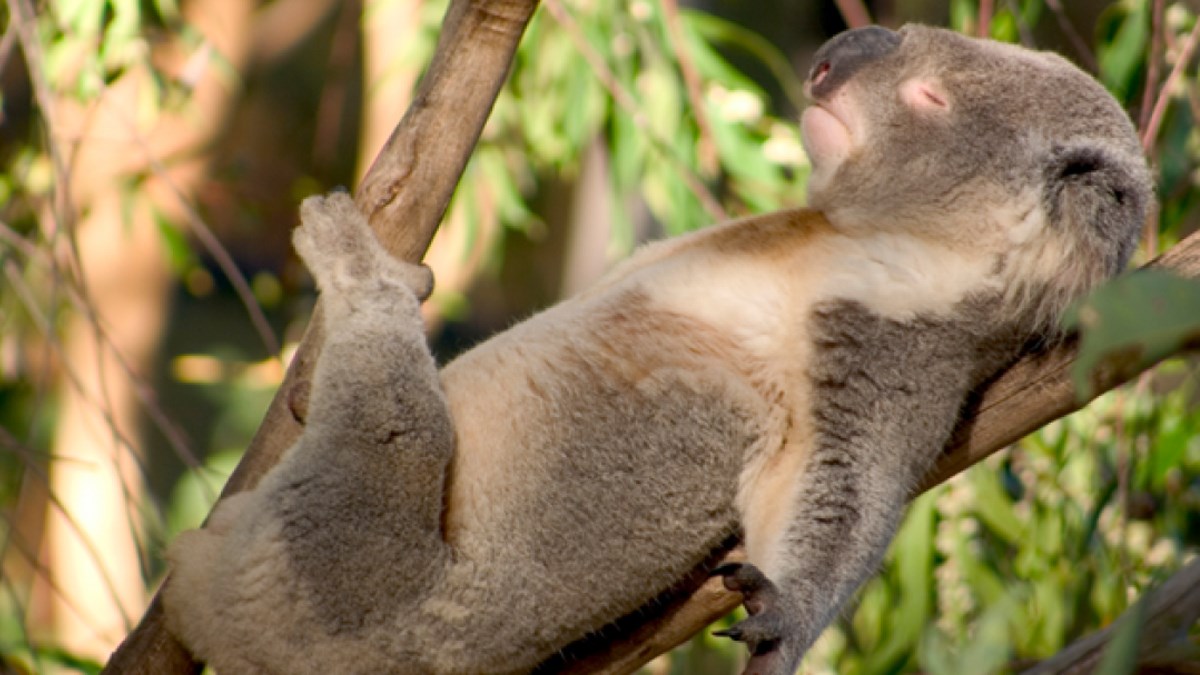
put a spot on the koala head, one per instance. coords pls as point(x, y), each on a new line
point(977, 144)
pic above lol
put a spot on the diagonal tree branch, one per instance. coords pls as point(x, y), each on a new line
point(404, 195)
point(1034, 391)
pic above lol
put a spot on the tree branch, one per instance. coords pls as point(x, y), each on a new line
point(404, 195)
point(1034, 391)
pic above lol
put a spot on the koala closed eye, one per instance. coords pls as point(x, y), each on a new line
point(923, 95)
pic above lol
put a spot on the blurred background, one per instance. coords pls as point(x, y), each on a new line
point(153, 152)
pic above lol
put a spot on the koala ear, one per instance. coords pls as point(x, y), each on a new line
point(1101, 196)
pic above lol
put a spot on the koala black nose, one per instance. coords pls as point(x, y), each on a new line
point(845, 53)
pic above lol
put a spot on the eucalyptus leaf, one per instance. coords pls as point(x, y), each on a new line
point(1133, 322)
point(1121, 58)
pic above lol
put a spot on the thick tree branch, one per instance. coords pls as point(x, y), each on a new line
point(1034, 391)
point(404, 195)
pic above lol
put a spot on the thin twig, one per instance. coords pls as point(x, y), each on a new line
point(854, 13)
point(984, 27)
point(102, 407)
point(1150, 131)
point(1153, 59)
point(1023, 29)
point(7, 43)
point(1082, 50)
point(13, 541)
point(706, 147)
point(212, 245)
point(142, 389)
point(623, 98)
point(225, 262)
point(9, 441)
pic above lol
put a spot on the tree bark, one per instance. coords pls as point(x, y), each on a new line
point(404, 195)
point(1033, 392)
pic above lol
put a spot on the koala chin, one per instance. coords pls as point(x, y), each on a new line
point(788, 378)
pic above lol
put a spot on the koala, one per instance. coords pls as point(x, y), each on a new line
point(786, 378)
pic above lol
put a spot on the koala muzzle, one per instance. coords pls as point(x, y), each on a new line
point(839, 58)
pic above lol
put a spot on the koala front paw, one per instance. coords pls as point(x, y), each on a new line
point(767, 630)
point(338, 247)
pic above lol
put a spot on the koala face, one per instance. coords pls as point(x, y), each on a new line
point(978, 144)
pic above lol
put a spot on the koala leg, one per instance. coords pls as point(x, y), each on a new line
point(313, 569)
point(366, 483)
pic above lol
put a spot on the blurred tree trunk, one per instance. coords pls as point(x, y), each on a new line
point(92, 549)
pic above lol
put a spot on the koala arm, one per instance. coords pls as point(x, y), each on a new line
point(876, 426)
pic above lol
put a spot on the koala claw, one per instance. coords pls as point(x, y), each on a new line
point(759, 592)
point(339, 248)
point(765, 629)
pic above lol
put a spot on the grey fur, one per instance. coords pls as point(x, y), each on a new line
point(913, 377)
point(789, 377)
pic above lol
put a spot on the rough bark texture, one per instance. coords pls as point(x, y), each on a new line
point(404, 195)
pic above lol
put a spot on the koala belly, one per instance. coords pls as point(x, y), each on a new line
point(595, 467)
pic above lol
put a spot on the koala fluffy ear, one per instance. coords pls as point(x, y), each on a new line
point(1101, 196)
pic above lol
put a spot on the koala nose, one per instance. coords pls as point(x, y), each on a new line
point(839, 58)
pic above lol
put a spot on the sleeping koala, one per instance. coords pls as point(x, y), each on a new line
point(787, 377)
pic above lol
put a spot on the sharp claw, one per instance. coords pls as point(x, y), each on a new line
point(725, 570)
point(733, 633)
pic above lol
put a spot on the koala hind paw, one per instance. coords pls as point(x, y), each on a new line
point(338, 247)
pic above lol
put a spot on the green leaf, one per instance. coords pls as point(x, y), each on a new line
point(994, 507)
point(707, 28)
point(1122, 55)
point(1134, 321)
point(175, 243)
point(81, 17)
point(1120, 657)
